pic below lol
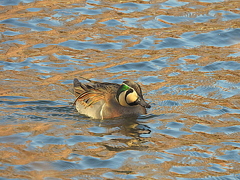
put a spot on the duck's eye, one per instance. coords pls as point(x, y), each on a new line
point(129, 91)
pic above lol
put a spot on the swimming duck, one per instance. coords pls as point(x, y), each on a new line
point(103, 100)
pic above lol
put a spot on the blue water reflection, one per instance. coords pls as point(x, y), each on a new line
point(11, 33)
point(173, 3)
point(32, 24)
point(230, 65)
point(132, 7)
point(81, 45)
point(80, 10)
point(14, 2)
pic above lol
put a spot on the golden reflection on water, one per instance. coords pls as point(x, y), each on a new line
point(175, 141)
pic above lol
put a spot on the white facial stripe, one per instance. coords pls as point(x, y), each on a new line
point(132, 97)
point(122, 100)
point(127, 97)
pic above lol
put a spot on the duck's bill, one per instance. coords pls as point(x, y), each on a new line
point(143, 103)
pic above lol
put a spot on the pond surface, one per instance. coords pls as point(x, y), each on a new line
point(184, 53)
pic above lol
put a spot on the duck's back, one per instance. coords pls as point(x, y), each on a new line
point(91, 98)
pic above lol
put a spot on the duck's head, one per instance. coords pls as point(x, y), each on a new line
point(130, 94)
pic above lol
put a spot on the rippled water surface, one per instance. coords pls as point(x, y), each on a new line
point(184, 53)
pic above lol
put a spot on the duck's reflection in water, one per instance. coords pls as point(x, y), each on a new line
point(125, 134)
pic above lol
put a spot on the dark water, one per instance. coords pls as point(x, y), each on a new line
point(185, 54)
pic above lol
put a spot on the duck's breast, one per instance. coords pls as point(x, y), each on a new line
point(114, 109)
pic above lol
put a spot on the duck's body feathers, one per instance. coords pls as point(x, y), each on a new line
point(98, 100)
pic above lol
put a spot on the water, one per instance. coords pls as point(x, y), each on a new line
point(185, 54)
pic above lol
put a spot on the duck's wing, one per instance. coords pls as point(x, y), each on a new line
point(97, 84)
point(86, 94)
point(89, 94)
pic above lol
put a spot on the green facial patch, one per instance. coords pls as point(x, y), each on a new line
point(121, 89)
point(124, 87)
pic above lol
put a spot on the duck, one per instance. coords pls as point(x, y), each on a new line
point(104, 100)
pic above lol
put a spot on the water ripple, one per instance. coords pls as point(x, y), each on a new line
point(131, 7)
point(32, 24)
point(82, 45)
